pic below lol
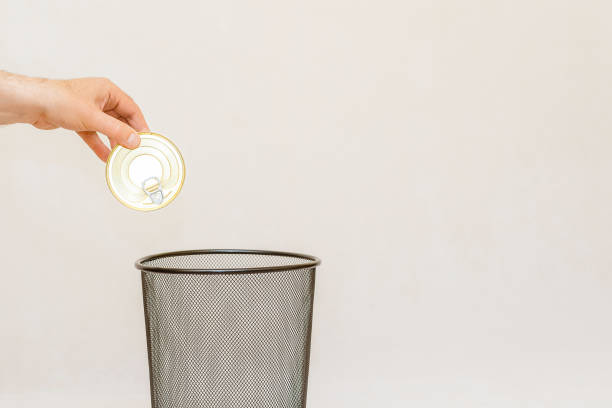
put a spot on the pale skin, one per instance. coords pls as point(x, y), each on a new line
point(88, 106)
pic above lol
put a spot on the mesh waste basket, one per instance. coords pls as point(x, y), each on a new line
point(228, 328)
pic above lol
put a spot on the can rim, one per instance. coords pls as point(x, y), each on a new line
point(310, 262)
point(128, 204)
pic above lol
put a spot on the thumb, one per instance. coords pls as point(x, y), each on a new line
point(116, 130)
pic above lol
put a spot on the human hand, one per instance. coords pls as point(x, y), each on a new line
point(85, 105)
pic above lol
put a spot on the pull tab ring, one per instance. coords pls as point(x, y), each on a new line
point(154, 190)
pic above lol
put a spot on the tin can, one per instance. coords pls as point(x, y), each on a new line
point(146, 178)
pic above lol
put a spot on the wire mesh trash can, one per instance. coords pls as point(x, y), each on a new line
point(228, 328)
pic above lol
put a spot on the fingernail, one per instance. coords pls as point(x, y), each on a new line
point(133, 141)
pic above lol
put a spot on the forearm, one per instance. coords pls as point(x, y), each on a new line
point(20, 98)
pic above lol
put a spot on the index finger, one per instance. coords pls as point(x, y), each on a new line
point(124, 106)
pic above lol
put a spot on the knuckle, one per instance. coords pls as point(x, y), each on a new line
point(105, 82)
point(117, 129)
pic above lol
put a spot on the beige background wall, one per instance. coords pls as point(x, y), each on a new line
point(449, 162)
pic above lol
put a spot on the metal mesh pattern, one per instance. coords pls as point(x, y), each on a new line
point(228, 340)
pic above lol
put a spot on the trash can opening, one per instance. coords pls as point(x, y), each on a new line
point(226, 261)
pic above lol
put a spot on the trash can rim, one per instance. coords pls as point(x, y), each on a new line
point(309, 262)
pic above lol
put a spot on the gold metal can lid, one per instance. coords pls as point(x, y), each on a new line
point(149, 177)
